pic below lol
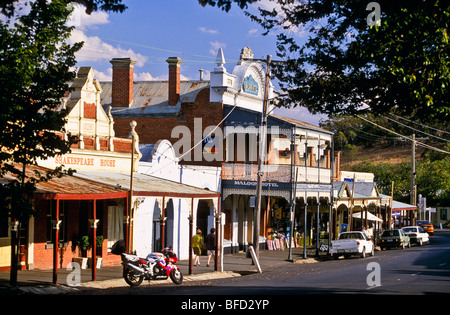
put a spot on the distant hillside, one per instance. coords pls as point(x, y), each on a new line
point(387, 153)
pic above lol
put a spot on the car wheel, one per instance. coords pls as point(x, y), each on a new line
point(363, 253)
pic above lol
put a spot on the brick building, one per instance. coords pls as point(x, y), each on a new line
point(232, 102)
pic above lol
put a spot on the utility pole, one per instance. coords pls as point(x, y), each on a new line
point(293, 192)
point(262, 148)
point(413, 171)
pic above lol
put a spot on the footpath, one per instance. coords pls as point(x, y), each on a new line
point(39, 282)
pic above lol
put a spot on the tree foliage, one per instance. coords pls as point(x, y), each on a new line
point(432, 178)
point(35, 63)
point(341, 65)
point(7, 7)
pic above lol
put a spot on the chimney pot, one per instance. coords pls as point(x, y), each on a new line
point(174, 79)
point(122, 84)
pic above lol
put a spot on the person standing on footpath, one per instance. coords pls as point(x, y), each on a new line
point(211, 245)
point(197, 245)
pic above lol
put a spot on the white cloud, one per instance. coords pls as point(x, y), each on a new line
point(94, 48)
point(270, 5)
point(215, 47)
point(253, 31)
point(81, 20)
point(207, 30)
point(103, 76)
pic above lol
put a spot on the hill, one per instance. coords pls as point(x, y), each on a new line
point(388, 153)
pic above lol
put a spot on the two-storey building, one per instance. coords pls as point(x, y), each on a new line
point(216, 124)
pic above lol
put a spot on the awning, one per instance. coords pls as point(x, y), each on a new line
point(146, 185)
point(397, 205)
point(70, 187)
point(370, 216)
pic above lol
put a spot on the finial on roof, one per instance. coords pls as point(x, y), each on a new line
point(220, 59)
point(246, 54)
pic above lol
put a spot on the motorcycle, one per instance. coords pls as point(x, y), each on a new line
point(156, 266)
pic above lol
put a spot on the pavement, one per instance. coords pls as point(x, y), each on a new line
point(39, 282)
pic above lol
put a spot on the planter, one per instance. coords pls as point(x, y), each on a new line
point(82, 261)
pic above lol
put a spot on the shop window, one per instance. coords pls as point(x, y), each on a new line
point(51, 215)
point(115, 225)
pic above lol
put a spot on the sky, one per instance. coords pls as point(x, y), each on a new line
point(150, 31)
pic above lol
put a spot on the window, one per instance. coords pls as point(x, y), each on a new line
point(444, 214)
point(115, 225)
point(51, 215)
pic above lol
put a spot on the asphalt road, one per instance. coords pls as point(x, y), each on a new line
point(419, 270)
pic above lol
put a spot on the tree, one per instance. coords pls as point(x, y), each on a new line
point(7, 7)
point(35, 67)
point(400, 64)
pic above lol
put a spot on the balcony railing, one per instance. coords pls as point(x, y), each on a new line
point(275, 172)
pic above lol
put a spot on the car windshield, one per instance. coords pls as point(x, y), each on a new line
point(357, 236)
point(390, 233)
point(423, 222)
point(411, 229)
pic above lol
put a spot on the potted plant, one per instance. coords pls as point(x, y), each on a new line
point(83, 245)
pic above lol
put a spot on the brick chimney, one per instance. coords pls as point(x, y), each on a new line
point(174, 79)
point(122, 82)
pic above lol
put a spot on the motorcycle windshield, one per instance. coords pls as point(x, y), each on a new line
point(153, 257)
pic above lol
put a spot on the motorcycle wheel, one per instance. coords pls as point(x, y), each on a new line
point(131, 279)
point(176, 276)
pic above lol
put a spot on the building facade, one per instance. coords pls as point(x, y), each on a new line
point(216, 123)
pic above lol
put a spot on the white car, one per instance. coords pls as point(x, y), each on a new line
point(352, 243)
point(417, 234)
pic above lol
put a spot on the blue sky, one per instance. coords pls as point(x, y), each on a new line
point(150, 31)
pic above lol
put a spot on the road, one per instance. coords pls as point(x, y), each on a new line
point(419, 270)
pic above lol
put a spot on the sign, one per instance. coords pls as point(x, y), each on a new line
point(92, 162)
point(276, 186)
point(250, 85)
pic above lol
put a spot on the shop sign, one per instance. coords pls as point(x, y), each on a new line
point(313, 187)
point(250, 85)
point(89, 162)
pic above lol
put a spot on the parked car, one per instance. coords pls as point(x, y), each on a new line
point(394, 238)
point(427, 226)
point(352, 243)
point(417, 235)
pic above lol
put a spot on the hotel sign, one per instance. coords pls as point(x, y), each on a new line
point(250, 85)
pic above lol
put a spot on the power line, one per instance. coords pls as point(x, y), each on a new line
point(406, 137)
point(421, 124)
point(418, 130)
point(209, 59)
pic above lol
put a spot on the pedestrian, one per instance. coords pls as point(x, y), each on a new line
point(197, 245)
point(211, 245)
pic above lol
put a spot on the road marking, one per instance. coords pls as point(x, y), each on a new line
point(375, 286)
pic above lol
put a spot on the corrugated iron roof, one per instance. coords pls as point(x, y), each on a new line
point(150, 97)
point(299, 123)
point(147, 185)
point(70, 187)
